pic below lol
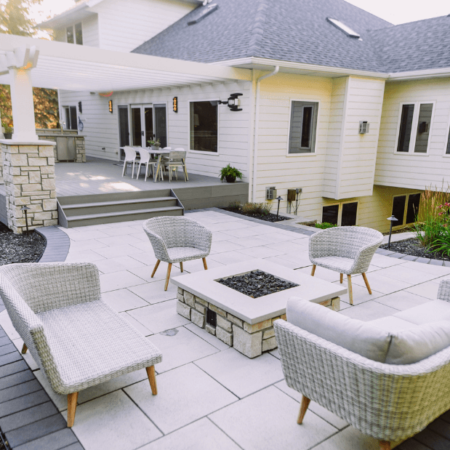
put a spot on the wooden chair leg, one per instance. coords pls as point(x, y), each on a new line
point(71, 408)
point(168, 276)
point(156, 268)
point(24, 349)
point(367, 283)
point(350, 290)
point(152, 378)
point(313, 271)
point(303, 409)
point(181, 266)
point(385, 445)
point(204, 264)
point(342, 278)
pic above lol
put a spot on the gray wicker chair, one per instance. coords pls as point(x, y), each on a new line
point(388, 402)
point(177, 239)
point(74, 337)
point(347, 250)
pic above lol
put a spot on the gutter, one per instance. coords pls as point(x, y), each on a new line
point(255, 139)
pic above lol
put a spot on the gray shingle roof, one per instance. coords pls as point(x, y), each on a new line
point(297, 31)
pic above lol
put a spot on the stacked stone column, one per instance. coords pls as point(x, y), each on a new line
point(29, 177)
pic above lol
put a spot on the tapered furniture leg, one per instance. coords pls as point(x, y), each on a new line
point(204, 264)
point(342, 278)
point(168, 276)
point(181, 266)
point(313, 271)
point(156, 268)
point(152, 378)
point(24, 349)
point(71, 408)
point(303, 409)
point(385, 445)
point(350, 290)
point(367, 283)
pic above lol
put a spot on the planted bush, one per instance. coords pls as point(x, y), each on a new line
point(325, 225)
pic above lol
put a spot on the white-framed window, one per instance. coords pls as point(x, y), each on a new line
point(405, 208)
point(342, 214)
point(74, 34)
point(204, 126)
point(414, 127)
point(303, 126)
point(70, 121)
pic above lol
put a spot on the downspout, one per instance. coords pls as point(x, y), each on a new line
point(255, 140)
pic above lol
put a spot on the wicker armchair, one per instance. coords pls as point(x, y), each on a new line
point(75, 338)
point(388, 402)
point(348, 250)
point(177, 239)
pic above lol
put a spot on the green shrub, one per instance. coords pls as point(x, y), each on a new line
point(325, 225)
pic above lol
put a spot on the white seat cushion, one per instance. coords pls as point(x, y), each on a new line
point(336, 263)
point(177, 254)
point(392, 324)
point(426, 313)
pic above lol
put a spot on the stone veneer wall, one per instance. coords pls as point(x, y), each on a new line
point(29, 176)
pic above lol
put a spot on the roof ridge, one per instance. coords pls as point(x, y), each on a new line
point(408, 23)
point(257, 31)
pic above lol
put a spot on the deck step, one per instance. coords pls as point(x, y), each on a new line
point(120, 202)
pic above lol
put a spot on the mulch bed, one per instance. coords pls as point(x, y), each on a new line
point(267, 217)
point(412, 247)
point(20, 248)
point(256, 284)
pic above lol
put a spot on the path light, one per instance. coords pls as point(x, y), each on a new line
point(25, 208)
point(391, 219)
point(279, 200)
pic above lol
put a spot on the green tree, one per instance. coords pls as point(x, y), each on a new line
point(15, 19)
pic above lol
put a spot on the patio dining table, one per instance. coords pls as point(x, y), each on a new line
point(160, 154)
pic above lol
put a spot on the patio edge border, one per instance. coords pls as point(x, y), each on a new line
point(58, 244)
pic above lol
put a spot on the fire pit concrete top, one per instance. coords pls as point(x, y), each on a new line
point(254, 310)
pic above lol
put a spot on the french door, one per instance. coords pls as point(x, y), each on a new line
point(147, 122)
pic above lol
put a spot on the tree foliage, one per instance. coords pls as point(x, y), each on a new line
point(15, 19)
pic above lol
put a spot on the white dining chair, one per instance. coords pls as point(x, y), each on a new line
point(176, 159)
point(130, 157)
point(147, 161)
point(164, 159)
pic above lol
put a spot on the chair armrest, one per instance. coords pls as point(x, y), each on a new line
point(158, 244)
point(444, 290)
point(364, 257)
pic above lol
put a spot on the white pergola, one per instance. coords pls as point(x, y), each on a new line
point(27, 62)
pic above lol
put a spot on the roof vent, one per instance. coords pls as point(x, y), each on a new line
point(347, 30)
point(203, 12)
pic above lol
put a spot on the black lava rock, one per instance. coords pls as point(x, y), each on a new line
point(414, 248)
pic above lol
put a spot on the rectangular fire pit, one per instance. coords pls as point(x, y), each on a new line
point(238, 319)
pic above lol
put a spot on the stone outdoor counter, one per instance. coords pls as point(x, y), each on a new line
point(240, 321)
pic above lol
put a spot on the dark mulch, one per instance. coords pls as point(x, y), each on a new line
point(256, 283)
point(267, 217)
point(20, 248)
point(412, 247)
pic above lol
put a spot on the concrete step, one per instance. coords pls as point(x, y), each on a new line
point(122, 216)
point(84, 209)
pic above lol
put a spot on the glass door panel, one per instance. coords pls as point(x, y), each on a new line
point(148, 120)
point(161, 124)
point(124, 132)
point(136, 126)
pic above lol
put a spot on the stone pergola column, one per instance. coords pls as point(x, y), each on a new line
point(28, 163)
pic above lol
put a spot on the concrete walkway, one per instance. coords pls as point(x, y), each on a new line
point(211, 396)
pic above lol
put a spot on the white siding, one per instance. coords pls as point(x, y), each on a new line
point(90, 32)
point(414, 170)
point(123, 26)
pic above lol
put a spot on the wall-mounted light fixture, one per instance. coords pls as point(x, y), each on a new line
point(363, 127)
point(175, 104)
point(233, 102)
point(110, 106)
point(80, 107)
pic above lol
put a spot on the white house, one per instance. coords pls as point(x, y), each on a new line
point(347, 110)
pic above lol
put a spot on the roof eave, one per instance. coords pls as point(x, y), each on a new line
point(420, 74)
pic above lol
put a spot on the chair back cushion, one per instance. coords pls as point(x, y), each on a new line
point(397, 345)
point(354, 335)
point(177, 156)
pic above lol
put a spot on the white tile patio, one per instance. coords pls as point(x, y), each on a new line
point(211, 396)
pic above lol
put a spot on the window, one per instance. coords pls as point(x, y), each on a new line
point(349, 211)
point(203, 118)
point(70, 118)
point(405, 208)
point(74, 33)
point(415, 124)
point(330, 214)
point(302, 134)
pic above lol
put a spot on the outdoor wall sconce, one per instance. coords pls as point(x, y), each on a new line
point(175, 104)
point(233, 102)
point(110, 106)
point(80, 107)
point(391, 219)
